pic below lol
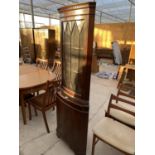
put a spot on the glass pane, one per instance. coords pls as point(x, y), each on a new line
point(66, 55)
point(74, 58)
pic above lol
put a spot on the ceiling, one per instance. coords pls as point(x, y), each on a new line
point(107, 11)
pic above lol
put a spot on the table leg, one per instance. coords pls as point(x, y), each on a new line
point(23, 108)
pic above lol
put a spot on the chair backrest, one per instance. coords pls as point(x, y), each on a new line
point(122, 110)
point(128, 95)
point(26, 54)
point(126, 89)
point(42, 63)
point(56, 68)
point(50, 94)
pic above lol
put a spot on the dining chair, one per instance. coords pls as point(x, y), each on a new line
point(42, 63)
point(124, 82)
point(26, 98)
point(56, 68)
point(127, 88)
point(126, 93)
point(113, 131)
point(115, 134)
point(122, 110)
point(44, 101)
point(26, 54)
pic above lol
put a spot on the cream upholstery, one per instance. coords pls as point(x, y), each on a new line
point(127, 98)
point(124, 105)
point(116, 134)
point(123, 116)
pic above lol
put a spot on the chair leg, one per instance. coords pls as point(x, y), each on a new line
point(45, 120)
point(29, 107)
point(93, 144)
point(35, 111)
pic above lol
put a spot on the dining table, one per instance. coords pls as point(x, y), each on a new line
point(31, 80)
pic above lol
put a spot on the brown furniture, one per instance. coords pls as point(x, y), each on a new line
point(42, 63)
point(26, 98)
point(56, 68)
point(115, 134)
point(44, 102)
point(26, 54)
point(126, 91)
point(116, 129)
point(127, 80)
point(126, 77)
point(107, 53)
point(94, 65)
point(31, 79)
point(131, 59)
point(104, 53)
point(45, 44)
point(125, 51)
point(77, 25)
point(26, 35)
point(122, 110)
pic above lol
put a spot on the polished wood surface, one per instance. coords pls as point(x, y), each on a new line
point(77, 25)
point(72, 123)
point(31, 79)
point(30, 76)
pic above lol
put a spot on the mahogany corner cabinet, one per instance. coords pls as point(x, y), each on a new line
point(77, 26)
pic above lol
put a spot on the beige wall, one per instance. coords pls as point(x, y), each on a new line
point(104, 34)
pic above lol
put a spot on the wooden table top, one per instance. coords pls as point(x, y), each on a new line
point(30, 76)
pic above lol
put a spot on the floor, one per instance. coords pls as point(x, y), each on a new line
point(34, 140)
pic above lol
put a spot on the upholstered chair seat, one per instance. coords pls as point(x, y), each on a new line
point(116, 134)
point(117, 128)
